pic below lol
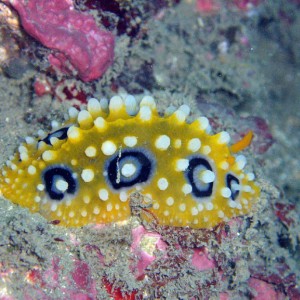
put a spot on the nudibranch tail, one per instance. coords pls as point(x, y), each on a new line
point(243, 143)
point(85, 170)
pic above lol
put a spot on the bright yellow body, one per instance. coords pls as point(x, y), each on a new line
point(168, 143)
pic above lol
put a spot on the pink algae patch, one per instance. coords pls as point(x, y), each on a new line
point(79, 44)
point(264, 290)
point(201, 261)
point(143, 245)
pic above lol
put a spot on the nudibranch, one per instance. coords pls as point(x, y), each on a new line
point(85, 170)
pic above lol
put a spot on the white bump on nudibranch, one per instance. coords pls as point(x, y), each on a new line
point(250, 176)
point(145, 113)
point(156, 205)
point(194, 211)
point(54, 140)
point(185, 109)
point(131, 105)
point(73, 133)
point(187, 188)
point(128, 170)
point(123, 196)
point(116, 103)
point(41, 133)
point(22, 149)
point(108, 148)
point(71, 214)
point(247, 188)
point(232, 204)
point(40, 187)
point(103, 194)
point(226, 192)
point(109, 207)
point(177, 143)
point(87, 175)
point(74, 162)
point(182, 207)
point(83, 213)
point(162, 184)
point(207, 176)
point(224, 165)
point(94, 107)
point(182, 164)
point(170, 201)
point(239, 206)
point(180, 116)
point(86, 199)
point(96, 210)
point(54, 125)
point(31, 170)
point(203, 123)
point(61, 185)
point(223, 137)
point(29, 140)
point(84, 119)
point(37, 199)
point(221, 214)
point(130, 141)
point(209, 206)
point(166, 213)
point(200, 207)
point(104, 104)
point(206, 149)
point(73, 112)
point(24, 156)
point(100, 123)
point(240, 162)
point(148, 101)
point(53, 207)
point(162, 142)
point(194, 144)
point(49, 155)
point(90, 151)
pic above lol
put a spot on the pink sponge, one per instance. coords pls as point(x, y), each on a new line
point(78, 42)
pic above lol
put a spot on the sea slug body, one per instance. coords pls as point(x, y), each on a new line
point(85, 170)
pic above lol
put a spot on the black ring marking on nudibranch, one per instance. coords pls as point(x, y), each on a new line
point(61, 134)
point(143, 161)
point(57, 172)
point(196, 165)
point(230, 180)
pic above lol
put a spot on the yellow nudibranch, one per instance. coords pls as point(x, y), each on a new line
point(85, 170)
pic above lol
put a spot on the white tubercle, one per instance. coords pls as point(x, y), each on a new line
point(185, 109)
point(207, 176)
point(240, 162)
point(203, 123)
point(131, 105)
point(116, 103)
point(94, 107)
point(84, 119)
point(104, 104)
point(224, 137)
point(55, 125)
point(162, 142)
point(73, 112)
point(148, 101)
point(145, 113)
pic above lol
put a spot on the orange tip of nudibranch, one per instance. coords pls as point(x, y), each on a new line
point(243, 143)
